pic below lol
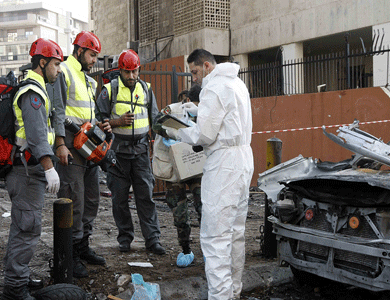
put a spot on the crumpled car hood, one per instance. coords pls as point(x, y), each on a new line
point(341, 182)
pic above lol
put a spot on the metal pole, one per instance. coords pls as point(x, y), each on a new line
point(175, 84)
point(63, 241)
point(274, 157)
point(347, 73)
point(105, 62)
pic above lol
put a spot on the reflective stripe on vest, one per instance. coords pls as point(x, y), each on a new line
point(80, 104)
point(20, 135)
point(136, 102)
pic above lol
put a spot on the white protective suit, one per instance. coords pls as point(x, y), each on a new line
point(224, 128)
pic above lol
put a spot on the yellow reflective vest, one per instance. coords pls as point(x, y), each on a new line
point(80, 104)
point(136, 102)
point(20, 135)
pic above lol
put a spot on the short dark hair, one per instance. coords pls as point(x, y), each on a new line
point(199, 56)
point(194, 92)
point(183, 93)
point(75, 49)
point(35, 61)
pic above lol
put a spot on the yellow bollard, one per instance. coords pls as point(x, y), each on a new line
point(274, 152)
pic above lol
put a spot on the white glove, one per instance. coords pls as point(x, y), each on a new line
point(172, 133)
point(53, 181)
point(190, 107)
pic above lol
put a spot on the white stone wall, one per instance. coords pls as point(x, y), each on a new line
point(293, 83)
point(381, 68)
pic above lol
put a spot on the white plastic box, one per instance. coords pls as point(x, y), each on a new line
point(186, 163)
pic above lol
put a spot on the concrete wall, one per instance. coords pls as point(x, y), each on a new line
point(262, 24)
point(166, 19)
point(312, 110)
point(110, 25)
point(214, 40)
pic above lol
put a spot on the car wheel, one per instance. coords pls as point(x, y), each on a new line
point(61, 291)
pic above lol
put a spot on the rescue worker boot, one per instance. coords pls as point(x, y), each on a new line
point(16, 293)
point(90, 256)
point(79, 269)
point(156, 248)
point(186, 248)
point(35, 284)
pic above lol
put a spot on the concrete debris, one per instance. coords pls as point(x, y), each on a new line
point(123, 279)
point(101, 296)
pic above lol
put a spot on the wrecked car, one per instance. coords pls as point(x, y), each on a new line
point(333, 219)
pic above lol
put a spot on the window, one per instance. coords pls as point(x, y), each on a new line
point(12, 36)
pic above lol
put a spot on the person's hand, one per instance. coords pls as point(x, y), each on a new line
point(126, 119)
point(191, 108)
point(105, 126)
point(53, 181)
point(172, 133)
point(62, 152)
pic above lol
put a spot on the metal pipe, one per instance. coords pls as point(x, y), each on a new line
point(175, 85)
point(347, 66)
point(128, 24)
point(274, 157)
point(63, 241)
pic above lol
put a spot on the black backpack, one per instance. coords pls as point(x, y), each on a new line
point(8, 88)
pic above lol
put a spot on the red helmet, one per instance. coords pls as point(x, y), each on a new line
point(46, 48)
point(129, 60)
point(86, 39)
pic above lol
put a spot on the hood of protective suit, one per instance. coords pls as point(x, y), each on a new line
point(223, 69)
point(224, 112)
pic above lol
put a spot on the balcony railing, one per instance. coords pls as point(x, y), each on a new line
point(14, 38)
point(14, 57)
point(13, 18)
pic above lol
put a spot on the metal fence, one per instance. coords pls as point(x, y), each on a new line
point(331, 72)
point(166, 81)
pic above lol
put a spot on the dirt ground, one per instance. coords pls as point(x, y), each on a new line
point(103, 280)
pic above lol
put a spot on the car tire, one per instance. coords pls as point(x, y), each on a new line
point(61, 291)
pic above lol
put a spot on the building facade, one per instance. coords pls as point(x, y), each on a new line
point(160, 29)
point(22, 23)
point(289, 39)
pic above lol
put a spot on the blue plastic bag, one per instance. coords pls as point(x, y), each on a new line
point(144, 290)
